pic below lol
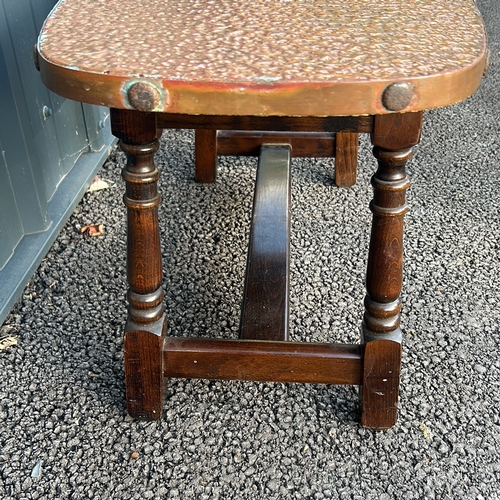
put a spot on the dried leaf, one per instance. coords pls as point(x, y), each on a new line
point(134, 455)
point(6, 342)
point(93, 229)
point(426, 432)
point(99, 184)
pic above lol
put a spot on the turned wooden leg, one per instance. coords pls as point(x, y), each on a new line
point(146, 323)
point(205, 155)
point(393, 138)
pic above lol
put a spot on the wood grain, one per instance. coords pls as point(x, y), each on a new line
point(265, 298)
point(268, 123)
point(146, 322)
point(397, 131)
point(262, 361)
point(393, 138)
point(205, 155)
point(382, 362)
point(144, 374)
point(303, 144)
point(346, 159)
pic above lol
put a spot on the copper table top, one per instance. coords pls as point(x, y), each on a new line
point(263, 57)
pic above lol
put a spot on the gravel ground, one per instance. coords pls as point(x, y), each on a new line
point(64, 432)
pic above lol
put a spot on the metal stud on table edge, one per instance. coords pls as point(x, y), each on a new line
point(398, 96)
point(143, 96)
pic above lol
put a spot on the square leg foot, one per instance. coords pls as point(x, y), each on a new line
point(144, 382)
point(380, 389)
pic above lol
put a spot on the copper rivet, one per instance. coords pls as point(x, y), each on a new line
point(398, 96)
point(143, 96)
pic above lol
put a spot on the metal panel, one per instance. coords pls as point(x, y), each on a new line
point(98, 126)
point(11, 229)
point(57, 125)
point(22, 162)
point(42, 137)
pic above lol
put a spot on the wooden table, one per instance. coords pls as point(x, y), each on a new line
point(269, 65)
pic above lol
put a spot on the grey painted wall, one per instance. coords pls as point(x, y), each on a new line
point(42, 138)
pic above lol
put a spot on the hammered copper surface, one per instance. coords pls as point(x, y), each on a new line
point(264, 43)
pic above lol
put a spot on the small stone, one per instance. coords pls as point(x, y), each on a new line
point(480, 369)
point(37, 470)
point(443, 448)
point(272, 484)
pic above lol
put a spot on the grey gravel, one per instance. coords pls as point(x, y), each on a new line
point(61, 390)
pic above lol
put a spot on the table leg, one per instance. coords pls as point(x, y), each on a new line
point(146, 323)
point(393, 138)
point(346, 158)
point(205, 155)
